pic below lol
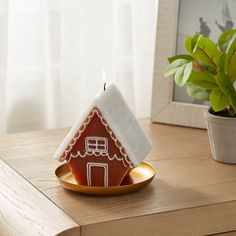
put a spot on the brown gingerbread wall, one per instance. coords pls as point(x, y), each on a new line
point(116, 169)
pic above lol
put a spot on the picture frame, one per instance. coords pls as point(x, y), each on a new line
point(164, 109)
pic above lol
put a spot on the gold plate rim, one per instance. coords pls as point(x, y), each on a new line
point(63, 170)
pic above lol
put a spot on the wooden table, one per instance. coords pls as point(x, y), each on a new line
point(191, 194)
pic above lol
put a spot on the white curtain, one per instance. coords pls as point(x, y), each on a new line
point(53, 52)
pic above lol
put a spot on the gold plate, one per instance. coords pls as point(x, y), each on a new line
point(141, 176)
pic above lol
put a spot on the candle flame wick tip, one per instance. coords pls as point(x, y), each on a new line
point(104, 86)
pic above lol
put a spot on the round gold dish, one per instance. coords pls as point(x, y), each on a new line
point(141, 176)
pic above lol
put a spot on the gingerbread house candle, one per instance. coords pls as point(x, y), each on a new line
point(105, 143)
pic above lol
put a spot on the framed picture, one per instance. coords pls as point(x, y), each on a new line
point(176, 19)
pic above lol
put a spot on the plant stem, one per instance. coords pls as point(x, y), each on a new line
point(231, 111)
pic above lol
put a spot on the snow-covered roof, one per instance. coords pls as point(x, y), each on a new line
point(121, 121)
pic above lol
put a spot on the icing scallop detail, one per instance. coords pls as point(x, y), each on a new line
point(112, 135)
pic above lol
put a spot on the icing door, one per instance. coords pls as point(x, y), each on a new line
point(97, 174)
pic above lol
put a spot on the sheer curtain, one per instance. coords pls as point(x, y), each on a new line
point(53, 52)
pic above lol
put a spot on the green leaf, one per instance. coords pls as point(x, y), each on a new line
point(225, 39)
point(207, 52)
point(203, 80)
point(232, 100)
point(231, 51)
point(223, 63)
point(187, 71)
point(179, 75)
point(202, 57)
point(195, 40)
point(197, 92)
point(188, 44)
point(191, 43)
point(181, 56)
point(231, 47)
point(183, 73)
point(232, 69)
point(218, 100)
point(225, 84)
point(174, 66)
point(227, 87)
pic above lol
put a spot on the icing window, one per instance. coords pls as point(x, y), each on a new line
point(96, 144)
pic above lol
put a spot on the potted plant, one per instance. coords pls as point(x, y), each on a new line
point(209, 71)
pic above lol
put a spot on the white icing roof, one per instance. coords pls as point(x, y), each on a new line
point(121, 121)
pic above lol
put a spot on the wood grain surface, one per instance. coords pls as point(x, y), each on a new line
point(25, 211)
point(190, 195)
point(232, 233)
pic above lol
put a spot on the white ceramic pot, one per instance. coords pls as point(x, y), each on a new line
point(222, 137)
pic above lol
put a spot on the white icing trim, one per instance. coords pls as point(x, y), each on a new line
point(104, 165)
point(114, 139)
point(70, 145)
point(81, 130)
point(97, 154)
point(96, 140)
